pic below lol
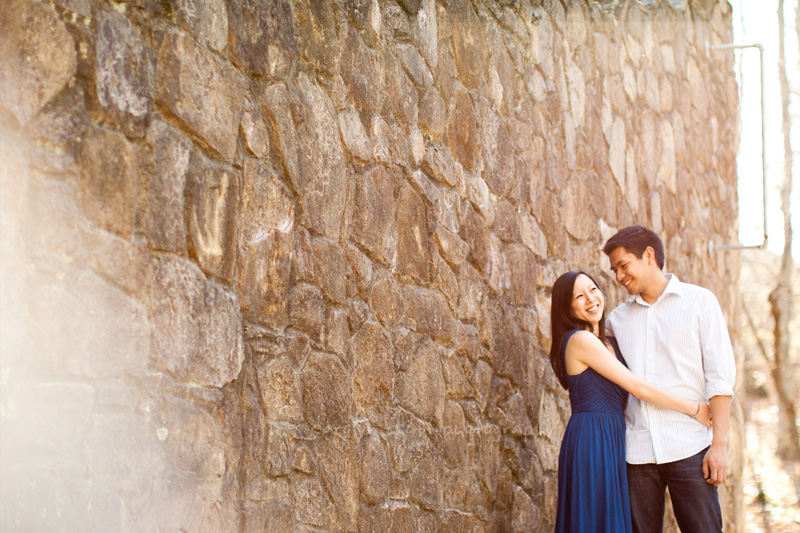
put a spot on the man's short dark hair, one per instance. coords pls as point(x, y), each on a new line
point(636, 239)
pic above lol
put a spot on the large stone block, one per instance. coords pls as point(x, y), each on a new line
point(212, 215)
point(109, 184)
point(264, 279)
point(469, 43)
point(374, 380)
point(263, 36)
point(161, 216)
point(462, 128)
point(206, 20)
point(428, 313)
point(373, 214)
point(413, 254)
point(331, 269)
point(321, 184)
point(197, 332)
point(307, 309)
point(327, 399)
point(317, 30)
point(421, 387)
point(363, 83)
point(40, 57)
point(511, 347)
point(191, 439)
point(375, 472)
point(122, 74)
point(279, 390)
point(497, 151)
point(523, 273)
point(338, 469)
point(204, 93)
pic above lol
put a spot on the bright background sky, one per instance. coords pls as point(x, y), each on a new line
point(756, 21)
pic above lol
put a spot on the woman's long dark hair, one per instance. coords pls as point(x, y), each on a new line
point(562, 321)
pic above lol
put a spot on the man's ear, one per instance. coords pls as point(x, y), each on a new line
point(649, 255)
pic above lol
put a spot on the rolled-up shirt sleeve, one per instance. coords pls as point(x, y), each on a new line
point(718, 362)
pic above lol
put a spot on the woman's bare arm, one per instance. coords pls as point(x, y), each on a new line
point(585, 348)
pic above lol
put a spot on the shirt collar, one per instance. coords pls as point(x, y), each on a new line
point(674, 286)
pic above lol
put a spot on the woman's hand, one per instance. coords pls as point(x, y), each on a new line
point(704, 415)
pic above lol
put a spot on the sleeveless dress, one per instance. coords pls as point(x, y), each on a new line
point(592, 480)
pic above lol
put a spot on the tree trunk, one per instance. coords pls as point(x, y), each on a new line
point(780, 298)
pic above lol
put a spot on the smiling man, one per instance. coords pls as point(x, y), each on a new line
point(672, 334)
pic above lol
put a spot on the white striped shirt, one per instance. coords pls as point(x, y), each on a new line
point(681, 344)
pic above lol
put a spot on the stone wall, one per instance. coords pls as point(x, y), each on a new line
point(286, 265)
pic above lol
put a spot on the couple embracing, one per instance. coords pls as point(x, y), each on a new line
point(668, 347)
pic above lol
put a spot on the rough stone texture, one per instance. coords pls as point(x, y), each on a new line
point(204, 93)
point(40, 57)
point(196, 330)
point(286, 265)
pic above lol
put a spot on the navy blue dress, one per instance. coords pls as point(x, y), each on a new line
point(592, 482)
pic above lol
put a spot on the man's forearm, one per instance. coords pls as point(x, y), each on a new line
point(720, 415)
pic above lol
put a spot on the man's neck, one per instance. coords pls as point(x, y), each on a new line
point(655, 288)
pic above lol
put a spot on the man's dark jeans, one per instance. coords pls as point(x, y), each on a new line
point(695, 502)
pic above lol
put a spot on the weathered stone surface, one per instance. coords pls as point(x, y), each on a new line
point(168, 163)
point(331, 269)
point(327, 399)
point(576, 221)
point(202, 92)
point(523, 271)
point(306, 309)
point(476, 234)
point(439, 164)
point(121, 72)
point(282, 107)
point(374, 208)
point(354, 135)
point(375, 471)
point(510, 345)
point(386, 299)
point(338, 469)
point(428, 313)
point(551, 427)
point(264, 267)
point(279, 391)
point(311, 502)
point(207, 21)
point(39, 54)
point(109, 187)
point(471, 290)
point(455, 449)
point(462, 129)
point(317, 30)
point(191, 438)
point(321, 182)
point(254, 128)
point(263, 36)
point(469, 47)
point(412, 255)
point(212, 215)
point(497, 151)
point(423, 483)
point(524, 514)
point(359, 75)
point(421, 387)
point(432, 112)
point(374, 376)
point(196, 328)
point(401, 92)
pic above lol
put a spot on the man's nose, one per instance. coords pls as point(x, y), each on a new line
point(619, 276)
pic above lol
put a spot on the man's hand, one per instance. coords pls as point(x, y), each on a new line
point(715, 465)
